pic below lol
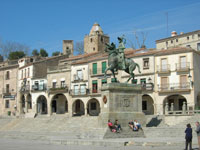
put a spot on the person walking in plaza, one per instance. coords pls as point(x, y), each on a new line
point(198, 132)
point(188, 137)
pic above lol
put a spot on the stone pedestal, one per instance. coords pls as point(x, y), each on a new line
point(122, 102)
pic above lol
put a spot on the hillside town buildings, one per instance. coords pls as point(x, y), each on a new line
point(71, 85)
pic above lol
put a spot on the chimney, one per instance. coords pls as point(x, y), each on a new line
point(173, 33)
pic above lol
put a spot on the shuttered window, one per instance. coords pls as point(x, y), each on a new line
point(103, 66)
point(94, 68)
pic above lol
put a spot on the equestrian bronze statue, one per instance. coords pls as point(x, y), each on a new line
point(117, 60)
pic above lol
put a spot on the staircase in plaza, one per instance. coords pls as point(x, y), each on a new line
point(156, 126)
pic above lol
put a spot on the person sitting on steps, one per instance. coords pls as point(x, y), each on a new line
point(118, 126)
point(131, 124)
point(111, 126)
point(137, 126)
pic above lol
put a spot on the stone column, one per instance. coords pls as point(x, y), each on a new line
point(172, 108)
point(86, 114)
point(166, 108)
point(184, 108)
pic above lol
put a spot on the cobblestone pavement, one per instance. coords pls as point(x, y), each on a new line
point(21, 144)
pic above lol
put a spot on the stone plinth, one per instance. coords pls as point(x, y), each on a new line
point(122, 102)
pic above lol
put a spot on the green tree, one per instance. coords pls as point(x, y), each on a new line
point(79, 48)
point(16, 55)
point(43, 53)
point(35, 52)
point(56, 53)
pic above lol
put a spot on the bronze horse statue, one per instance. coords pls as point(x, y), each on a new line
point(114, 63)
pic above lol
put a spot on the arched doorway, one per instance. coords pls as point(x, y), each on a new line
point(29, 100)
point(93, 107)
point(147, 105)
point(78, 108)
point(42, 105)
point(59, 104)
point(176, 101)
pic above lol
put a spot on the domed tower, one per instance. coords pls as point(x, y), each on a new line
point(95, 41)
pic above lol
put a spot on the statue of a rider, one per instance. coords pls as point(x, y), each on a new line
point(121, 47)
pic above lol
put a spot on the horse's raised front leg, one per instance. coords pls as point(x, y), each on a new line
point(105, 73)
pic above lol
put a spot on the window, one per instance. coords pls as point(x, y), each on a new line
point(183, 63)
point(28, 72)
point(76, 90)
point(54, 85)
point(164, 82)
point(171, 41)
point(198, 35)
point(113, 80)
point(94, 86)
point(135, 81)
point(103, 66)
point(164, 64)
point(7, 88)
point(36, 85)
point(103, 81)
point(183, 81)
point(143, 81)
point(91, 40)
point(94, 68)
point(144, 105)
point(198, 46)
point(167, 44)
point(93, 48)
point(176, 40)
point(188, 46)
point(62, 84)
point(93, 105)
point(188, 38)
point(22, 74)
point(83, 89)
point(146, 63)
point(102, 39)
point(80, 74)
point(7, 104)
point(7, 75)
point(41, 87)
point(25, 73)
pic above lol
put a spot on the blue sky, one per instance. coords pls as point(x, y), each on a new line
point(45, 23)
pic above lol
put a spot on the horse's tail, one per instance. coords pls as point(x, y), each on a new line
point(138, 67)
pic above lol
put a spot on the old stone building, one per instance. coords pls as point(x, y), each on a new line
point(95, 41)
point(190, 39)
point(8, 87)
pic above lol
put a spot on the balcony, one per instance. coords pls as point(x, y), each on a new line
point(79, 78)
point(39, 88)
point(183, 67)
point(147, 87)
point(25, 88)
point(94, 91)
point(174, 87)
point(58, 89)
point(79, 92)
point(163, 69)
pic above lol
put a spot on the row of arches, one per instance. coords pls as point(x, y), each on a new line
point(59, 105)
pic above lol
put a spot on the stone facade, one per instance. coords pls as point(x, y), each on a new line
point(190, 39)
point(95, 41)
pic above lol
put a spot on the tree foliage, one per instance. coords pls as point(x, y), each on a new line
point(35, 52)
point(7, 47)
point(43, 53)
point(79, 48)
point(56, 53)
point(16, 55)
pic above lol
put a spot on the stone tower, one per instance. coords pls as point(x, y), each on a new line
point(68, 47)
point(95, 41)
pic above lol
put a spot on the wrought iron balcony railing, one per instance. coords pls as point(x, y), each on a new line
point(174, 87)
point(163, 68)
point(183, 66)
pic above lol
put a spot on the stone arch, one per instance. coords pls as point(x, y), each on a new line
point(59, 104)
point(42, 105)
point(176, 101)
point(78, 108)
point(29, 101)
point(147, 104)
point(93, 107)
